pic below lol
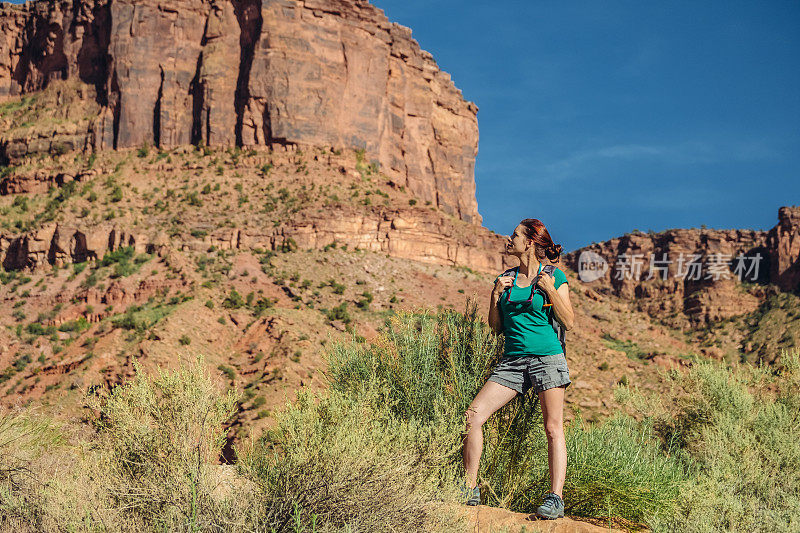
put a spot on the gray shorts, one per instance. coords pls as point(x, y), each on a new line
point(541, 372)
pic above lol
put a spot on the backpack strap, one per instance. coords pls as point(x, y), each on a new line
point(546, 269)
point(559, 329)
point(509, 271)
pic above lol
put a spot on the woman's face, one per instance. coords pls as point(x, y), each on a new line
point(517, 242)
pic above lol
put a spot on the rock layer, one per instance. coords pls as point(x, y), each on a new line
point(277, 73)
point(412, 234)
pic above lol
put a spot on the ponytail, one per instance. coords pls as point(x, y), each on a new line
point(545, 247)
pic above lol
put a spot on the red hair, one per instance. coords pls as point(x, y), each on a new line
point(534, 229)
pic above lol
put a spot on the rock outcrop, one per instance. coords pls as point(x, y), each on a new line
point(698, 273)
point(273, 73)
point(784, 243)
point(417, 234)
point(55, 244)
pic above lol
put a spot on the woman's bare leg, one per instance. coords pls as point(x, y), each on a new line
point(491, 397)
point(552, 402)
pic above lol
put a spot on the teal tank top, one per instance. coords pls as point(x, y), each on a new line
point(526, 325)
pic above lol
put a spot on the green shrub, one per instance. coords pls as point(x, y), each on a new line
point(21, 362)
point(78, 325)
point(258, 401)
point(123, 269)
point(193, 200)
point(20, 202)
point(35, 328)
point(338, 288)
point(116, 194)
point(736, 431)
point(164, 435)
point(288, 245)
point(120, 255)
point(141, 259)
point(365, 300)
point(616, 468)
point(229, 372)
point(139, 319)
point(267, 257)
point(341, 462)
point(262, 304)
point(233, 301)
point(339, 313)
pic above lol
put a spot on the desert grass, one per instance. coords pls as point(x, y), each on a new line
point(153, 464)
point(380, 450)
point(736, 431)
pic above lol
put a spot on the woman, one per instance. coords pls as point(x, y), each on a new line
point(533, 356)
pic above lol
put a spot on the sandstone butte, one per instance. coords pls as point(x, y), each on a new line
point(275, 73)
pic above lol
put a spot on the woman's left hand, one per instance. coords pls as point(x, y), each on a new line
point(547, 282)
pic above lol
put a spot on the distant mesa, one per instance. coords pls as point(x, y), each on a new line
point(695, 272)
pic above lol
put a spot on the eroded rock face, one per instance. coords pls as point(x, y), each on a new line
point(699, 273)
point(784, 243)
point(412, 234)
point(278, 73)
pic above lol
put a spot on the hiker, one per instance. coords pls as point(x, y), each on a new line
point(530, 305)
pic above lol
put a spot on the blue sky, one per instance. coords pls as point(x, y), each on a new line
point(603, 117)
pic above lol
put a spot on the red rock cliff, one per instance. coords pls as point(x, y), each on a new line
point(273, 73)
point(708, 292)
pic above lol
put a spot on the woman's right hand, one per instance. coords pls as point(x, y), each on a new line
point(502, 283)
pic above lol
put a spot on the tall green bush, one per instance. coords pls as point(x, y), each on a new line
point(339, 461)
point(737, 430)
point(164, 435)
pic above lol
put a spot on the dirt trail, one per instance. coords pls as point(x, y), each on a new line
point(485, 519)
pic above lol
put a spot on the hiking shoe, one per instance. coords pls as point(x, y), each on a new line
point(552, 508)
point(471, 496)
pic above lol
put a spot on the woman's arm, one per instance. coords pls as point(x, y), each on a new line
point(495, 317)
point(562, 307)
